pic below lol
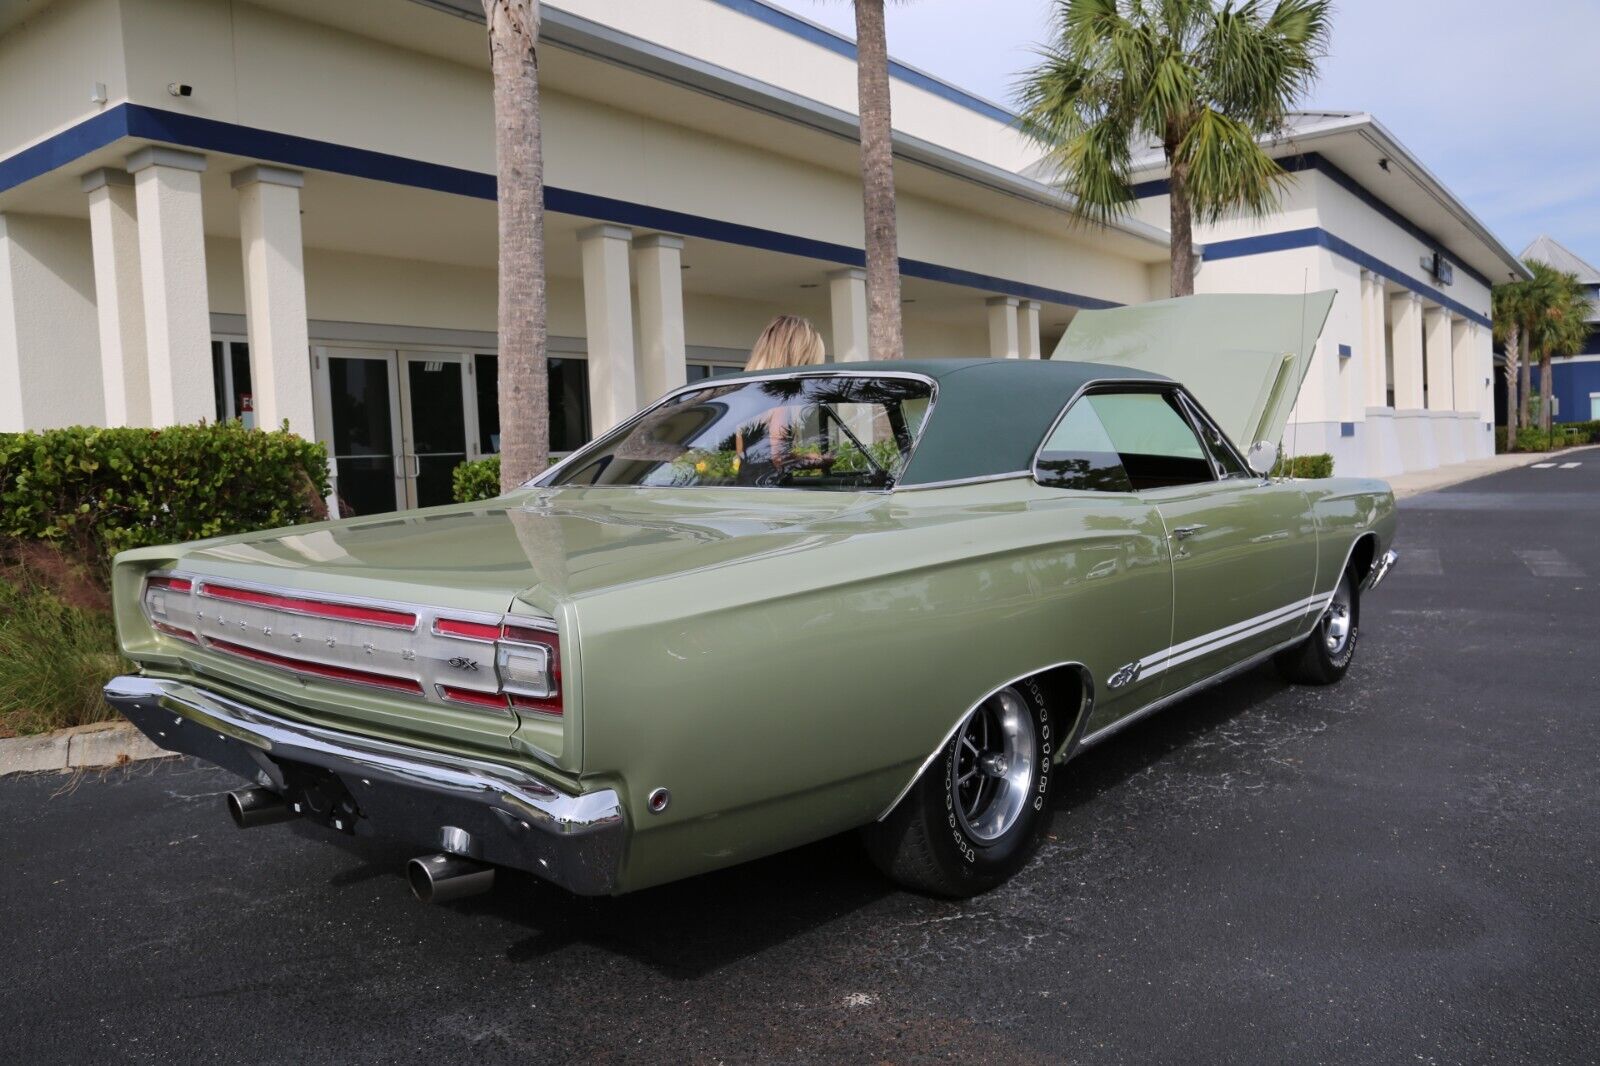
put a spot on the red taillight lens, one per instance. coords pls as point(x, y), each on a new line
point(527, 665)
point(157, 589)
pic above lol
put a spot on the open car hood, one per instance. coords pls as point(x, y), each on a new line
point(1243, 356)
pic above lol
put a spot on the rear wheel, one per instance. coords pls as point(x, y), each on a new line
point(976, 814)
point(1324, 656)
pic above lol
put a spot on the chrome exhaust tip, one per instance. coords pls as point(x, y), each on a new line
point(250, 807)
point(442, 878)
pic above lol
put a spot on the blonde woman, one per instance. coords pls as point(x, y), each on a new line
point(788, 341)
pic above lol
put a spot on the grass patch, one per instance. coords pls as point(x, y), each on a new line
point(58, 646)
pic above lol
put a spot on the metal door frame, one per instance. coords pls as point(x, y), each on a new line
point(409, 466)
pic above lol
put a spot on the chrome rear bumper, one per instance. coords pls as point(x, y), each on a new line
point(483, 810)
point(1381, 568)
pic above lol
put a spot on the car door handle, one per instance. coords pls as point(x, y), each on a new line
point(1185, 532)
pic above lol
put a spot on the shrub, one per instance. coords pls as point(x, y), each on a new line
point(55, 656)
point(476, 479)
point(97, 491)
point(1305, 466)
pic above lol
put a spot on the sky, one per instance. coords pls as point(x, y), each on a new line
point(1499, 100)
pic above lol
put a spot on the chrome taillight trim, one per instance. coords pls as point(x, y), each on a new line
point(416, 661)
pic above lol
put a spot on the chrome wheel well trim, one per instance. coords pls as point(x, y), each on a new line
point(1377, 543)
point(1085, 706)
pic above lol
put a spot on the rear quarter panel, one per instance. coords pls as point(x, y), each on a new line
point(785, 698)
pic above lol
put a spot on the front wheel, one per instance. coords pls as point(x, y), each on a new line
point(1324, 656)
point(978, 811)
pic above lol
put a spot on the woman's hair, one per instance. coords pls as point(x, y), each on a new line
point(788, 340)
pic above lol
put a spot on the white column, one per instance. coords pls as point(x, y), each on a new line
point(1436, 344)
point(1004, 334)
point(275, 297)
point(1405, 311)
point(119, 296)
point(1463, 353)
point(1374, 341)
point(658, 265)
point(172, 271)
point(608, 316)
point(847, 300)
point(1028, 323)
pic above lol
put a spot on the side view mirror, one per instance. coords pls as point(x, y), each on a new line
point(1262, 457)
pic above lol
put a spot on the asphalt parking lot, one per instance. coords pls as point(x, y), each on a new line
point(1399, 868)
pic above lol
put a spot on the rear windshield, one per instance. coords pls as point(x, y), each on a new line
point(817, 431)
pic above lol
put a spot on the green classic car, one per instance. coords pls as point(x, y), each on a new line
point(899, 597)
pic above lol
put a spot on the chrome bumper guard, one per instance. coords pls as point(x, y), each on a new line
point(1380, 570)
point(483, 810)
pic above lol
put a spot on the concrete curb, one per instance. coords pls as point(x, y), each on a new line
point(79, 748)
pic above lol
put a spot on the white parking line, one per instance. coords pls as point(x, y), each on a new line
point(1543, 466)
point(1547, 562)
point(1569, 466)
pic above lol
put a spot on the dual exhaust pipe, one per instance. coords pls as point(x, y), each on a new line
point(433, 878)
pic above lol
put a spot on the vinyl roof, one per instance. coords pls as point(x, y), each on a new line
point(990, 415)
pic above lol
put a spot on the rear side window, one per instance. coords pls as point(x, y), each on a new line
point(1080, 455)
point(1124, 441)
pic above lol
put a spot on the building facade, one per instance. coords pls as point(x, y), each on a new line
point(283, 210)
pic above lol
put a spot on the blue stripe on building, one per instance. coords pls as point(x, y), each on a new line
point(1316, 237)
point(211, 135)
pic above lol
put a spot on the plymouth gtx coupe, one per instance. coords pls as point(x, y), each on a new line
point(771, 607)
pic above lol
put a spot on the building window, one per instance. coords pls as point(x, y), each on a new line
point(569, 403)
point(230, 381)
point(701, 371)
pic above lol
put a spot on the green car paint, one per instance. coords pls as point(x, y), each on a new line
point(786, 660)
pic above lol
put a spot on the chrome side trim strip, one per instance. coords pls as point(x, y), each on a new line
point(1217, 678)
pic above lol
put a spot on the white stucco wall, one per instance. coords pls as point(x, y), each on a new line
point(50, 62)
point(49, 334)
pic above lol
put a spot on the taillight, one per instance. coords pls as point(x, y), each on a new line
point(527, 665)
point(158, 589)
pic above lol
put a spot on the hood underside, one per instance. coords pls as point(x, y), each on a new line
point(1243, 356)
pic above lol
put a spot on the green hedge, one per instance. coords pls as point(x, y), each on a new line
point(1304, 466)
point(97, 491)
point(1562, 435)
point(476, 479)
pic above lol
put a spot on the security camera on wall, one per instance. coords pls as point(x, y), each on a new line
point(177, 88)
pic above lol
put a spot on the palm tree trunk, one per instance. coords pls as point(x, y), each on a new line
point(885, 339)
point(1546, 391)
point(1513, 360)
point(1526, 389)
point(524, 376)
point(1181, 215)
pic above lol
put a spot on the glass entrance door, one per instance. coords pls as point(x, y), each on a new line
point(397, 424)
point(437, 428)
point(362, 431)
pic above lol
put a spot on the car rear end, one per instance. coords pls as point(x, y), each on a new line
point(439, 712)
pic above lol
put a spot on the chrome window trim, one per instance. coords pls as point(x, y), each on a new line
point(1101, 384)
point(1009, 475)
point(1202, 419)
point(543, 480)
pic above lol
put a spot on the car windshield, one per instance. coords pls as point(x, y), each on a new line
point(812, 431)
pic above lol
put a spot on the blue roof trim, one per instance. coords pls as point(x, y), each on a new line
point(1316, 237)
point(1296, 164)
point(833, 42)
point(190, 131)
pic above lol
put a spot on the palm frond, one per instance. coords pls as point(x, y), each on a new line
point(1227, 168)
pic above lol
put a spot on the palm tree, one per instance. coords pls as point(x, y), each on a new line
point(519, 162)
point(1207, 83)
point(885, 338)
point(1507, 303)
point(1558, 327)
